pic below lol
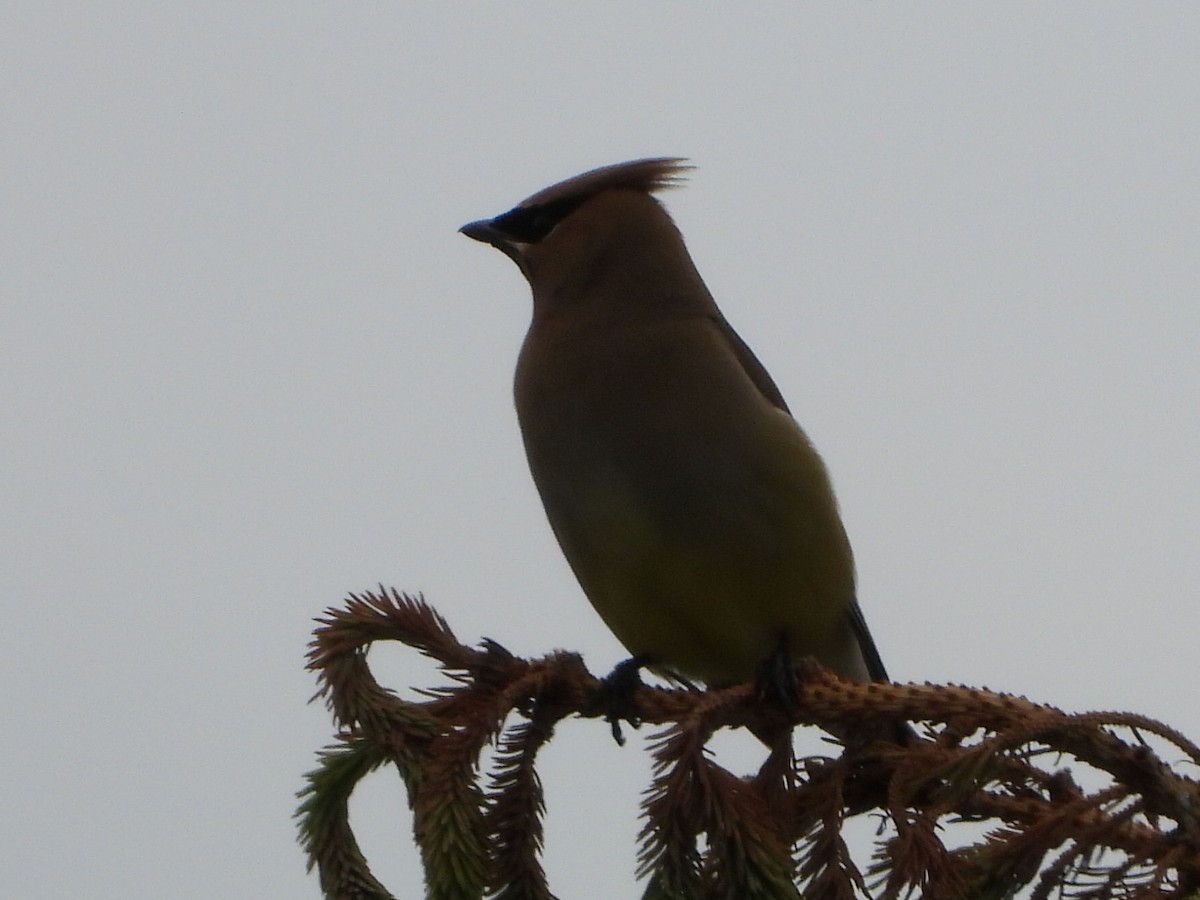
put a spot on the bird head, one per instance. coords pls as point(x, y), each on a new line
point(564, 232)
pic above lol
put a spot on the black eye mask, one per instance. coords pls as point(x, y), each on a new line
point(529, 224)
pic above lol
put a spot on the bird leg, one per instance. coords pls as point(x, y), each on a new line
point(780, 676)
point(615, 695)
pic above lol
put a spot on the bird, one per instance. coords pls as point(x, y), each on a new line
point(695, 513)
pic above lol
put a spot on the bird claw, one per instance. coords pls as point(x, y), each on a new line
point(614, 696)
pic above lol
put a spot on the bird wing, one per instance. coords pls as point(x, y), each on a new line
point(758, 374)
point(767, 387)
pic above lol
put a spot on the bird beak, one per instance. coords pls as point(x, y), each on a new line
point(485, 232)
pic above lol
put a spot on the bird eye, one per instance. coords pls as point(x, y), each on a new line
point(529, 224)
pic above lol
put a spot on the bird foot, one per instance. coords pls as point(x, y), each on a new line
point(615, 695)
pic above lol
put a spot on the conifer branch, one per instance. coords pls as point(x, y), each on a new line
point(981, 757)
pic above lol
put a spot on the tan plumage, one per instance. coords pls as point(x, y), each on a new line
point(695, 513)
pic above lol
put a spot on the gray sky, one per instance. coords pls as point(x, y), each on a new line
point(250, 366)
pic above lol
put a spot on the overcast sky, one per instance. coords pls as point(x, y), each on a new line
point(249, 365)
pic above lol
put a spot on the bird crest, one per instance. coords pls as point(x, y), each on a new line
point(648, 175)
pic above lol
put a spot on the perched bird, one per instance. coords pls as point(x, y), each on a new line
point(695, 513)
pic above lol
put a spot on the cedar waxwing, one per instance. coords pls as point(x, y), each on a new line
point(695, 513)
